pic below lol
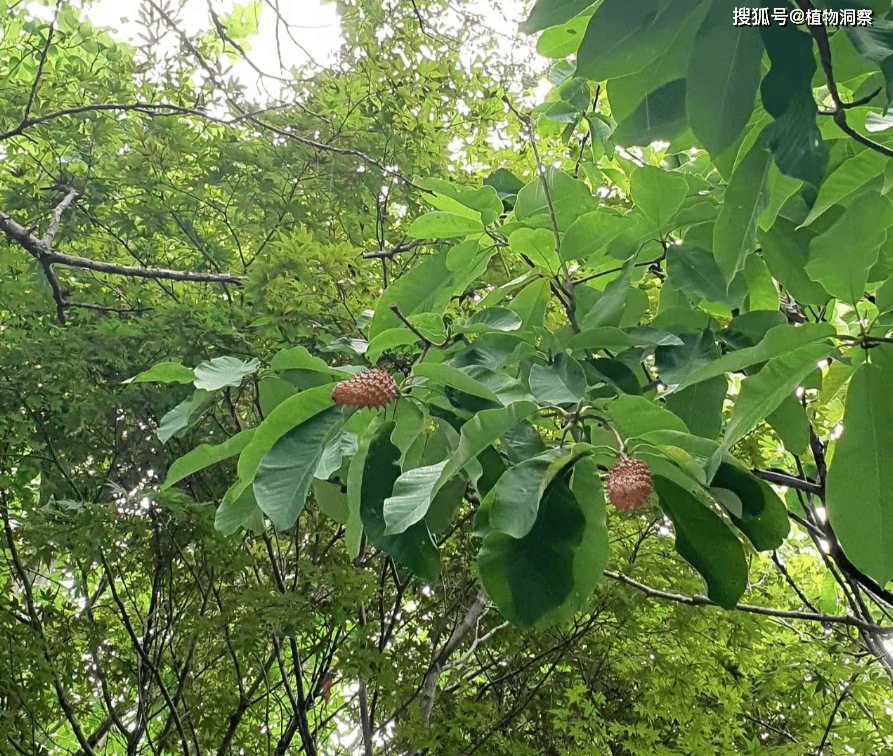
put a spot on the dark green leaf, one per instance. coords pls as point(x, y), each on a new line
point(705, 542)
point(283, 476)
point(860, 478)
point(723, 76)
point(414, 548)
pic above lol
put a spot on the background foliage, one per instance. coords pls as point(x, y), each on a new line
point(680, 252)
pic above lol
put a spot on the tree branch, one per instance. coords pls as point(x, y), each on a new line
point(698, 600)
point(820, 35)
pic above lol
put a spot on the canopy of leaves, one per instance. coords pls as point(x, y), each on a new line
point(679, 251)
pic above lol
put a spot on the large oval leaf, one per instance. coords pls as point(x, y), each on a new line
point(705, 542)
point(284, 474)
point(549, 573)
point(414, 548)
point(860, 478)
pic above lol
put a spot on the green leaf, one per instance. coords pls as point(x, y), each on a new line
point(860, 231)
point(538, 245)
point(778, 341)
point(513, 503)
point(786, 91)
point(623, 37)
point(455, 378)
point(204, 456)
point(164, 372)
point(415, 489)
point(490, 319)
point(763, 517)
point(548, 13)
point(331, 500)
point(723, 76)
point(562, 382)
point(530, 303)
point(786, 252)
point(608, 310)
point(827, 599)
point(223, 371)
point(860, 478)
point(506, 183)
point(570, 199)
point(393, 337)
point(298, 358)
point(353, 528)
point(660, 115)
point(763, 392)
point(789, 421)
point(673, 363)
point(482, 203)
point(291, 413)
point(875, 43)
point(705, 542)
point(414, 548)
point(592, 232)
point(560, 41)
point(846, 181)
point(700, 406)
point(232, 515)
point(426, 287)
point(340, 445)
point(658, 194)
point(635, 415)
point(550, 573)
point(442, 225)
point(184, 415)
point(734, 236)
point(696, 272)
point(284, 474)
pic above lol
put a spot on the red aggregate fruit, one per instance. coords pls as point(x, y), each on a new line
point(371, 388)
point(629, 483)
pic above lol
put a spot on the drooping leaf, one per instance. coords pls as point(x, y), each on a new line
point(414, 548)
point(734, 236)
point(284, 474)
point(415, 489)
point(860, 478)
point(549, 573)
point(723, 76)
point(786, 91)
point(705, 542)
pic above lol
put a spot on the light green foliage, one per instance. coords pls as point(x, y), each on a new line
point(548, 285)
